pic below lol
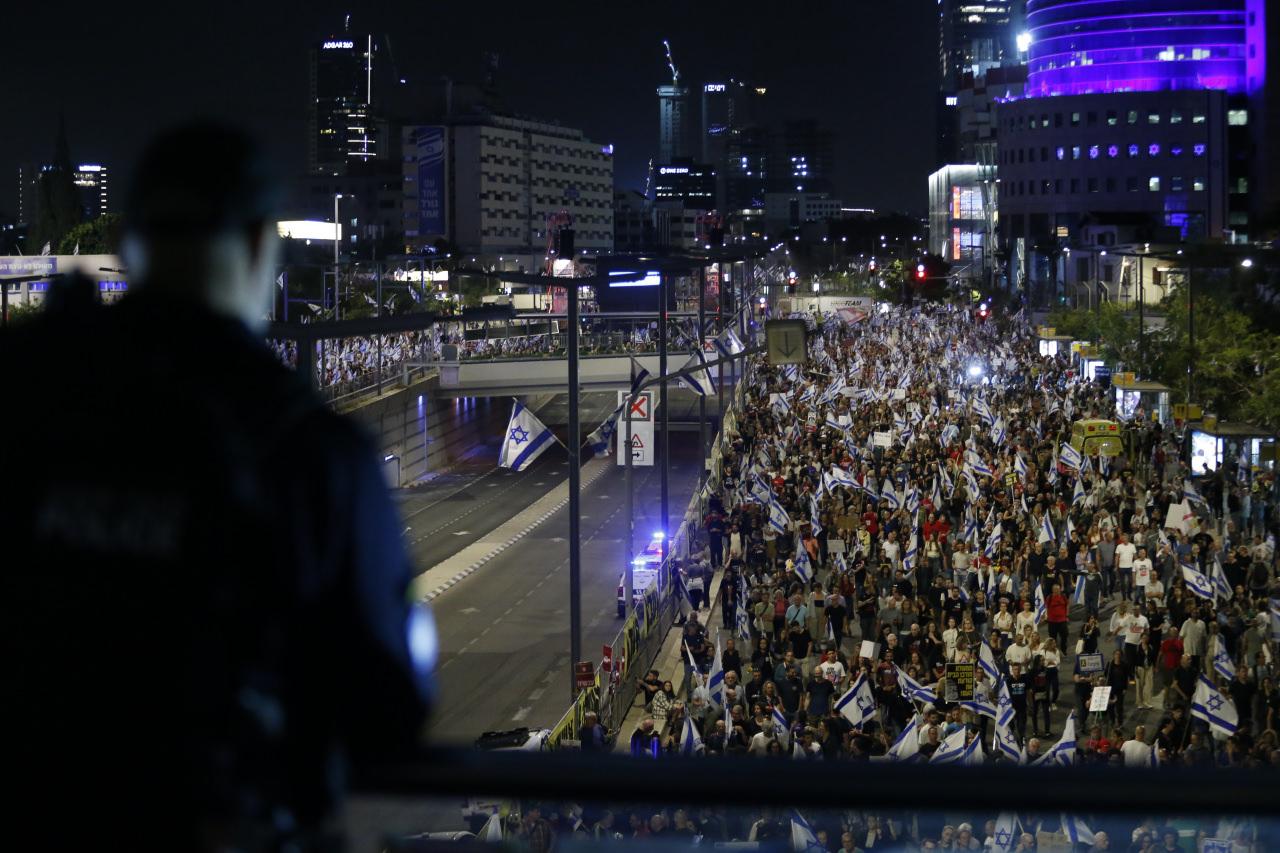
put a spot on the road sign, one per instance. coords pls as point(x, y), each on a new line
point(641, 410)
point(785, 341)
point(641, 443)
point(961, 678)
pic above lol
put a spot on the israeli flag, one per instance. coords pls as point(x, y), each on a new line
point(1040, 605)
point(1078, 495)
point(858, 704)
point(1008, 831)
point(814, 519)
point(1210, 705)
point(993, 540)
point(690, 741)
point(1070, 457)
point(1077, 597)
point(743, 622)
point(1193, 496)
point(1006, 740)
point(1062, 753)
point(1077, 831)
point(526, 439)
point(913, 499)
point(973, 755)
point(780, 404)
point(949, 433)
point(971, 483)
point(1071, 527)
point(998, 432)
point(1047, 533)
point(890, 495)
point(781, 726)
point(947, 485)
point(983, 411)
point(802, 567)
point(1221, 586)
point(907, 744)
point(952, 749)
point(728, 343)
point(987, 661)
point(913, 689)
point(778, 518)
point(842, 477)
point(1222, 663)
point(803, 839)
point(833, 422)
point(600, 440)
point(1197, 583)
point(910, 551)
point(700, 381)
point(1020, 466)
point(977, 464)
point(935, 495)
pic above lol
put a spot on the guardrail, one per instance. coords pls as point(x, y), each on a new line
point(638, 643)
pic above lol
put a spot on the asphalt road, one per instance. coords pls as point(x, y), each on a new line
point(504, 631)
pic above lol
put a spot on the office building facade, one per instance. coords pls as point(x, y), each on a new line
point(674, 125)
point(692, 185)
point(488, 184)
point(341, 131)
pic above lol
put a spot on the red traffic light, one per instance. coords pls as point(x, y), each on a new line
point(920, 272)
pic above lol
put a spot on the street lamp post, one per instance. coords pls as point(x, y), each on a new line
point(664, 445)
point(702, 398)
point(575, 498)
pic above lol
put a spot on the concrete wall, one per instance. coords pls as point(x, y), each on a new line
point(550, 372)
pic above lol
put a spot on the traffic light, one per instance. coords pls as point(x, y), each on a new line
point(919, 272)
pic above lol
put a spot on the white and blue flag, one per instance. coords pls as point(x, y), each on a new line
point(952, 749)
point(858, 704)
point(690, 740)
point(1008, 831)
point(1210, 705)
point(1077, 597)
point(1047, 533)
point(1076, 830)
point(1070, 457)
point(907, 744)
point(913, 689)
point(803, 838)
point(526, 439)
point(600, 440)
point(1078, 494)
point(1062, 753)
point(1197, 583)
point(1222, 663)
point(699, 381)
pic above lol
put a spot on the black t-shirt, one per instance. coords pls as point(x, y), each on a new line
point(1018, 691)
point(820, 691)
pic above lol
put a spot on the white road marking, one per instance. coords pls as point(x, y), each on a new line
point(521, 714)
point(470, 610)
point(460, 532)
point(537, 694)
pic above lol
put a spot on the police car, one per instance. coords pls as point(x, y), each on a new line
point(644, 569)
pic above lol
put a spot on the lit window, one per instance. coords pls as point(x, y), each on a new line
point(1175, 117)
point(1133, 151)
point(1075, 119)
point(1153, 150)
point(1113, 151)
point(1112, 118)
point(1075, 152)
point(1153, 118)
point(1237, 118)
point(1153, 184)
point(1094, 151)
point(1062, 153)
point(1133, 116)
point(1197, 184)
point(1197, 118)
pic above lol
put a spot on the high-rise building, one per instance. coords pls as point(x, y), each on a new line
point(489, 183)
point(730, 129)
point(91, 187)
point(692, 185)
point(974, 38)
point(341, 128)
point(28, 185)
point(1134, 108)
point(673, 123)
point(801, 158)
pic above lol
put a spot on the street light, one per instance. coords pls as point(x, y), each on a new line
point(1247, 263)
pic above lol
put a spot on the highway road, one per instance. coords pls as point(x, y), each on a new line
point(504, 631)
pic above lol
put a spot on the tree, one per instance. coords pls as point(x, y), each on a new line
point(100, 236)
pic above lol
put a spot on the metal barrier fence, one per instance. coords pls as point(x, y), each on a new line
point(638, 643)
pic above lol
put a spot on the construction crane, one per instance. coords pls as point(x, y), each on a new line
point(671, 63)
point(648, 180)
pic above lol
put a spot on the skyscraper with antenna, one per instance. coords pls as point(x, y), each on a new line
point(673, 112)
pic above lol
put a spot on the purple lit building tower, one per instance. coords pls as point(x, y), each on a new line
point(1148, 112)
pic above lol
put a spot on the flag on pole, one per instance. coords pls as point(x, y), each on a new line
point(76, 250)
point(1222, 663)
point(1078, 494)
point(803, 838)
point(1040, 604)
point(526, 439)
point(690, 741)
point(45, 251)
point(907, 744)
point(600, 440)
point(802, 567)
point(1008, 830)
point(1062, 753)
point(890, 495)
point(951, 749)
point(1210, 705)
point(728, 343)
point(1070, 457)
point(1077, 831)
point(1020, 466)
point(1197, 583)
point(1077, 597)
point(913, 689)
point(1221, 586)
point(699, 381)
point(280, 280)
point(987, 661)
point(715, 682)
point(1047, 533)
point(781, 726)
point(857, 704)
point(1006, 739)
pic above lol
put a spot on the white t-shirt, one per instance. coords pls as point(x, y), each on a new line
point(1018, 653)
point(833, 670)
point(1119, 624)
point(1125, 553)
point(1135, 753)
point(1142, 571)
point(1133, 631)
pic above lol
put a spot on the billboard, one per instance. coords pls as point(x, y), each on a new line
point(429, 146)
point(30, 265)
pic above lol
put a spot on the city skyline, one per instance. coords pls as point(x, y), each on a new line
point(257, 75)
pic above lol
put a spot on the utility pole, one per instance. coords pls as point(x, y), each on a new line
point(575, 488)
point(664, 445)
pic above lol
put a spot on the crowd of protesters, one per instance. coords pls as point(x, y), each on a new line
point(350, 360)
point(908, 499)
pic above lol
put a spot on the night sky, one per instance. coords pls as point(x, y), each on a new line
point(865, 68)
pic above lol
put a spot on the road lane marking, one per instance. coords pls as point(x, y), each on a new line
point(521, 714)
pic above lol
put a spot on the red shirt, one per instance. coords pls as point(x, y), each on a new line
point(1171, 652)
point(869, 519)
point(1055, 608)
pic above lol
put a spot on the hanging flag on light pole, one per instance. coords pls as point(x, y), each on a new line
point(527, 438)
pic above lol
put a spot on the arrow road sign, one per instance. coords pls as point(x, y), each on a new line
point(785, 340)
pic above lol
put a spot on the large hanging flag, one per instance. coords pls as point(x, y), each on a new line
point(699, 381)
point(728, 343)
point(526, 439)
point(600, 440)
point(1210, 705)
